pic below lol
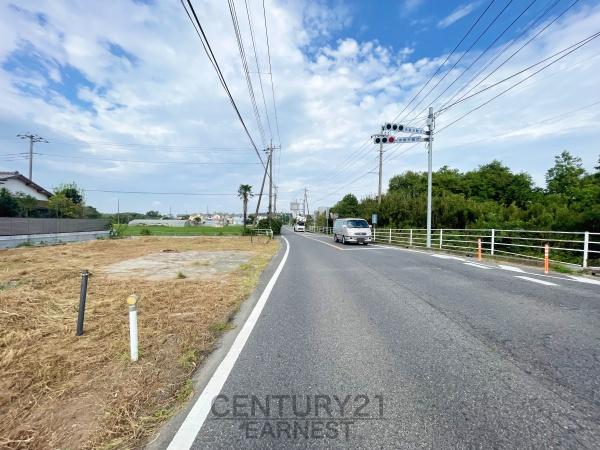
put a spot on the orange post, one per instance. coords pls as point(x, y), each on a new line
point(479, 249)
point(546, 258)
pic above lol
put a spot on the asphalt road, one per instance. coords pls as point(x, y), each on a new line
point(440, 353)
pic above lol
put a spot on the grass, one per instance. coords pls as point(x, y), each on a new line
point(157, 230)
point(562, 269)
point(62, 391)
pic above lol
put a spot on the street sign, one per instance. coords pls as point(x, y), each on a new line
point(374, 219)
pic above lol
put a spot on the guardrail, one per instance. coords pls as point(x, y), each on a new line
point(264, 232)
point(580, 249)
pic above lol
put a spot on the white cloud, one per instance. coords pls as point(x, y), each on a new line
point(457, 14)
point(331, 97)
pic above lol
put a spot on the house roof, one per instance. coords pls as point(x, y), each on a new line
point(19, 176)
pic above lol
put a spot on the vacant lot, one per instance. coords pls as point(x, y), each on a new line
point(156, 230)
point(62, 391)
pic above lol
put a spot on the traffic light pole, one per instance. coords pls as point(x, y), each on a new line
point(431, 126)
point(380, 172)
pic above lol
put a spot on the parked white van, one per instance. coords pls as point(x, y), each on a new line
point(352, 230)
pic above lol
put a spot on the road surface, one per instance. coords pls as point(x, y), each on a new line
point(439, 351)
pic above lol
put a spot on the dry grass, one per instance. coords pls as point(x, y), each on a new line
point(62, 391)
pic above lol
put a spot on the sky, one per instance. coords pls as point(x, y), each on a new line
point(129, 101)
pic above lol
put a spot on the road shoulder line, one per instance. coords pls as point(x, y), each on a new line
point(192, 424)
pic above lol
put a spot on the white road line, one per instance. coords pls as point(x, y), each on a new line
point(583, 279)
point(320, 241)
point(511, 268)
point(535, 280)
point(442, 256)
point(479, 266)
point(192, 424)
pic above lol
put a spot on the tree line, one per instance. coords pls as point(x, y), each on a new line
point(67, 201)
point(491, 196)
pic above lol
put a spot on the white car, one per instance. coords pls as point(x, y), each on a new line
point(299, 226)
point(352, 230)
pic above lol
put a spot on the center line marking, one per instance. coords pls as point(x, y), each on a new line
point(535, 280)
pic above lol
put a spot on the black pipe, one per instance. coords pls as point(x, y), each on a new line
point(82, 296)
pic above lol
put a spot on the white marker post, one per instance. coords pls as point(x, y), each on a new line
point(479, 249)
point(133, 327)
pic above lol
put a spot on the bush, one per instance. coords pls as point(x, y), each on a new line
point(145, 232)
point(275, 225)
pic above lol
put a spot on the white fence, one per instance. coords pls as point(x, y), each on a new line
point(570, 248)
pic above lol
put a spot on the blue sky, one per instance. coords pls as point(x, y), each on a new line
point(129, 102)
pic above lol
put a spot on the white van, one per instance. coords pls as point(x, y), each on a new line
point(352, 230)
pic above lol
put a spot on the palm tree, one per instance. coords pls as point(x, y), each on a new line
point(245, 192)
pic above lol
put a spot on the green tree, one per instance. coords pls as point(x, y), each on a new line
point(347, 206)
point(245, 192)
point(64, 207)
point(153, 215)
point(566, 175)
point(71, 191)
point(9, 206)
point(27, 203)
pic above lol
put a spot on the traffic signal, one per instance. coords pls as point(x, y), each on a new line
point(383, 139)
point(392, 127)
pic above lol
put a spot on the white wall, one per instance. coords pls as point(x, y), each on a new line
point(15, 185)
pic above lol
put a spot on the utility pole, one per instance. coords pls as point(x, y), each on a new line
point(380, 172)
point(275, 201)
point(270, 150)
point(431, 126)
point(305, 207)
point(32, 139)
point(262, 186)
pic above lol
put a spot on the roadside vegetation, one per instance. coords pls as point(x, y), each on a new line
point(63, 391)
point(491, 196)
point(158, 230)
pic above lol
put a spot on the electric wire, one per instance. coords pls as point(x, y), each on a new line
point(586, 41)
point(246, 70)
point(487, 49)
point(537, 34)
point(208, 50)
point(458, 60)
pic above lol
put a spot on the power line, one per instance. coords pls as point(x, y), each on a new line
point(570, 49)
point(512, 55)
point(240, 43)
point(460, 58)
point(203, 163)
point(160, 193)
point(208, 50)
point(262, 91)
point(445, 60)
point(587, 40)
point(271, 72)
point(478, 57)
point(273, 91)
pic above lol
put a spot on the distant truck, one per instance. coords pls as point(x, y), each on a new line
point(299, 223)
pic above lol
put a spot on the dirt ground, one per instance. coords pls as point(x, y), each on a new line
point(62, 391)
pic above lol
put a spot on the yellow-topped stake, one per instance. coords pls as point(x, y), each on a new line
point(132, 299)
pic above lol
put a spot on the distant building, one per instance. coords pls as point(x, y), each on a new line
point(16, 183)
point(161, 222)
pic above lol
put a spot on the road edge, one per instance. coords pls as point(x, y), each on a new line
point(169, 434)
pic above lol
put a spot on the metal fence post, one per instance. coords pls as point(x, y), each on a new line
point(441, 234)
point(493, 243)
point(410, 239)
point(586, 245)
point(82, 296)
